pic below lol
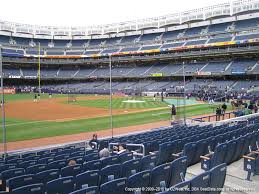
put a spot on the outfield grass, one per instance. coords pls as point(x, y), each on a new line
point(25, 130)
point(117, 103)
point(21, 130)
point(15, 97)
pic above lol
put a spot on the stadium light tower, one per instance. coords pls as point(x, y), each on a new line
point(111, 118)
point(3, 103)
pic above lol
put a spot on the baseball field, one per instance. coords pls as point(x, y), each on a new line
point(49, 117)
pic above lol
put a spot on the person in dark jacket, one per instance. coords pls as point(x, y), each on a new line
point(224, 108)
point(93, 143)
point(173, 112)
point(218, 113)
point(255, 109)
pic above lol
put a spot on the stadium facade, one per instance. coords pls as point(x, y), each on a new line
point(218, 46)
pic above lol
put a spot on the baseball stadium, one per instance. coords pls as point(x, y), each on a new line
point(163, 105)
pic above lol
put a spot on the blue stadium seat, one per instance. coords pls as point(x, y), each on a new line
point(62, 157)
point(87, 179)
point(200, 181)
point(217, 178)
point(71, 170)
point(239, 147)
point(92, 165)
point(123, 157)
point(90, 157)
point(32, 158)
point(92, 151)
point(46, 160)
point(48, 175)
point(254, 144)
point(51, 154)
point(28, 155)
point(130, 167)
point(57, 164)
point(110, 161)
point(181, 188)
point(28, 164)
point(56, 150)
point(164, 153)
point(177, 146)
point(8, 158)
point(89, 190)
point(78, 159)
point(178, 171)
point(139, 180)
point(14, 161)
point(78, 153)
point(7, 167)
point(148, 162)
point(212, 160)
point(7, 174)
point(115, 187)
point(160, 176)
point(231, 149)
point(202, 149)
point(245, 149)
point(30, 189)
point(20, 181)
point(40, 153)
point(62, 185)
point(36, 168)
point(110, 173)
point(190, 151)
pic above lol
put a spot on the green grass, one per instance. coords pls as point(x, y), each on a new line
point(117, 103)
point(18, 129)
point(16, 97)
point(21, 130)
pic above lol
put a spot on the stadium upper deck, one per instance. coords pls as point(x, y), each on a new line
point(224, 24)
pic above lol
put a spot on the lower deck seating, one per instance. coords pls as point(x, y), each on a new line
point(169, 152)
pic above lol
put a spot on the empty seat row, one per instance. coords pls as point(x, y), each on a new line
point(165, 175)
point(230, 151)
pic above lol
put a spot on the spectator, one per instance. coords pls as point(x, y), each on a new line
point(35, 98)
point(245, 104)
point(251, 106)
point(104, 153)
point(224, 108)
point(218, 113)
point(173, 112)
point(93, 143)
point(255, 109)
point(119, 149)
point(71, 163)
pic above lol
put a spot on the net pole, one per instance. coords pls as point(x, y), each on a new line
point(39, 69)
point(184, 95)
point(3, 104)
point(111, 117)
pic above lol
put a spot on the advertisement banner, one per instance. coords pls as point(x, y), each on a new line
point(204, 73)
point(8, 91)
point(157, 74)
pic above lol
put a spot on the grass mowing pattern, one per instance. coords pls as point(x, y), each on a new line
point(117, 103)
point(31, 130)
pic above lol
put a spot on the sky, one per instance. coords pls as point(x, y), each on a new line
point(92, 12)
